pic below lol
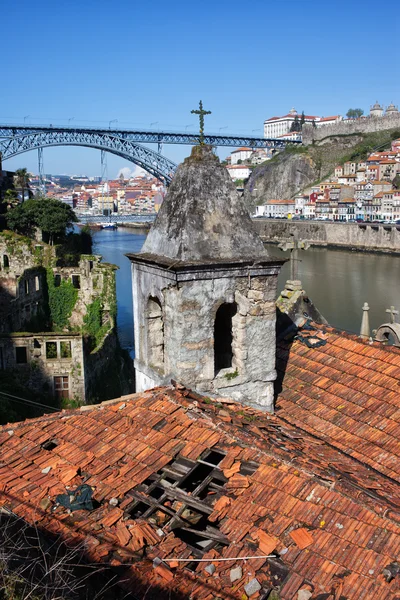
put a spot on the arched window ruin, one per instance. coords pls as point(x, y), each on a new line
point(155, 334)
point(6, 261)
point(223, 336)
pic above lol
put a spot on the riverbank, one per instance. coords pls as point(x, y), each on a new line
point(362, 237)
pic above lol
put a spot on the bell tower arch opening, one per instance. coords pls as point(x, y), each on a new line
point(223, 336)
point(155, 334)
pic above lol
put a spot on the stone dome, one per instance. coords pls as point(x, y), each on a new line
point(392, 108)
point(376, 106)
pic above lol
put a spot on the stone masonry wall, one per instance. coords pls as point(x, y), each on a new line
point(362, 236)
point(189, 311)
point(39, 370)
point(367, 125)
point(22, 281)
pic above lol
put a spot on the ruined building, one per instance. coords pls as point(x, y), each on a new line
point(56, 322)
point(204, 291)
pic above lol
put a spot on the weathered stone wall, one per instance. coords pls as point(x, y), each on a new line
point(189, 311)
point(39, 370)
point(22, 281)
point(362, 236)
point(367, 125)
point(89, 276)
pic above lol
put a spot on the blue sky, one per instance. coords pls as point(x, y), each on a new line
point(146, 62)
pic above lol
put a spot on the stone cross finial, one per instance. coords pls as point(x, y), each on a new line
point(365, 331)
point(201, 114)
point(393, 313)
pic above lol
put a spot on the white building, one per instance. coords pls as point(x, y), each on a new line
point(238, 172)
point(280, 208)
point(240, 154)
point(309, 210)
point(300, 201)
point(278, 126)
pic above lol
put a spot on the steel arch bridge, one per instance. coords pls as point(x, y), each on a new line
point(153, 162)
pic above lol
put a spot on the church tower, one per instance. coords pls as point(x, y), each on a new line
point(204, 291)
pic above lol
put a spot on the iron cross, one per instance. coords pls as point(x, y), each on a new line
point(201, 114)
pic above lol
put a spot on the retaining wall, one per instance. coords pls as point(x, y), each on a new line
point(365, 125)
point(362, 236)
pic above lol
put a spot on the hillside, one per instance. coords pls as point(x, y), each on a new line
point(300, 167)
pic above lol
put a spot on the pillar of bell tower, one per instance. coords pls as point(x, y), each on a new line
point(204, 291)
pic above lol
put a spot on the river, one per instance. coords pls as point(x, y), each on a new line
point(338, 281)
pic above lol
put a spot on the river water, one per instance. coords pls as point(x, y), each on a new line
point(338, 282)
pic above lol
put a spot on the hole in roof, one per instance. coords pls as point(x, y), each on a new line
point(248, 468)
point(138, 509)
point(156, 492)
point(213, 457)
point(209, 491)
point(150, 480)
point(195, 477)
point(50, 445)
point(191, 566)
point(194, 540)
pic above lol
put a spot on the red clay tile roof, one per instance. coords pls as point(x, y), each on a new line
point(346, 393)
point(315, 485)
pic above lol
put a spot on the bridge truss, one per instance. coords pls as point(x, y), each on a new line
point(127, 143)
point(153, 162)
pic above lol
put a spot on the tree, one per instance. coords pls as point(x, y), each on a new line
point(22, 181)
point(302, 119)
point(295, 126)
point(354, 113)
point(51, 216)
point(11, 198)
point(396, 182)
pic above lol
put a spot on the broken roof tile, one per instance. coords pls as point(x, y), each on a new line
point(301, 537)
point(298, 483)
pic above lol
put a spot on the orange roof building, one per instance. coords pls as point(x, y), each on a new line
point(188, 489)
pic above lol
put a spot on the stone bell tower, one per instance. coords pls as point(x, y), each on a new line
point(204, 291)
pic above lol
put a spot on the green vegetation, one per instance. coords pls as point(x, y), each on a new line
point(62, 300)
point(73, 246)
point(11, 198)
point(230, 376)
point(21, 181)
point(93, 327)
point(294, 149)
point(51, 216)
point(297, 124)
point(354, 113)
